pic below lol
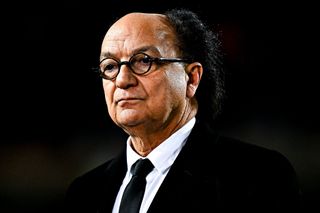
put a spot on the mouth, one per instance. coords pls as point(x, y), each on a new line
point(126, 101)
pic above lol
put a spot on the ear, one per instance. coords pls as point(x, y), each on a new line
point(194, 72)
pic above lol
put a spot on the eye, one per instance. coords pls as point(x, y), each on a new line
point(109, 65)
point(141, 63)
point(140, 59)
point(145, 60)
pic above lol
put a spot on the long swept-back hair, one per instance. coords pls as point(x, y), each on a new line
point(199, 43)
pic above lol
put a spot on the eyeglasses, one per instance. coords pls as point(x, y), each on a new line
point(139, 64)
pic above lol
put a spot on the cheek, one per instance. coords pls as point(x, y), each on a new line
point(177, 84)
point(171, 89)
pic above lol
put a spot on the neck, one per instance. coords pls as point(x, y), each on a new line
point(147, 139)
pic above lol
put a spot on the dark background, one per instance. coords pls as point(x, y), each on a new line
point(54, 122)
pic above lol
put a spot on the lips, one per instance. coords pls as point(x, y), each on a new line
point(121, 96)
point(125, 101)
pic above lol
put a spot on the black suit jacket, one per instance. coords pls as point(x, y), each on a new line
point(211, 174)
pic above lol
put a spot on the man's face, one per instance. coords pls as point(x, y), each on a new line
point(148, 101)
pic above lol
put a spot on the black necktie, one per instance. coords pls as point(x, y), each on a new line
point(133, 194)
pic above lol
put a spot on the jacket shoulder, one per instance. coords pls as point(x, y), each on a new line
point(249, 153)
point(95, 188)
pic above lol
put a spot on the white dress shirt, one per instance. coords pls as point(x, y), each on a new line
point(162, 157)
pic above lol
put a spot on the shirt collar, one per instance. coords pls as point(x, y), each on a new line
point(163, 156)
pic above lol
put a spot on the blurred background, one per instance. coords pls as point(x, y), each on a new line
point(54, 122)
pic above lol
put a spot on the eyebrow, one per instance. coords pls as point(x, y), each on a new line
point(137, 50)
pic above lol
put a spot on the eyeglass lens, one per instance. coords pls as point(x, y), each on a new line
point(139, 63)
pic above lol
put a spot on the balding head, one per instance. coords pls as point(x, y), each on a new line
point(135, 30)
point(137, 18)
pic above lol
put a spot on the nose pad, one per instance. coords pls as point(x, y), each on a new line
point(125, 63)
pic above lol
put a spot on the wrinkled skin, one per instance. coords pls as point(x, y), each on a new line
point(149, 107)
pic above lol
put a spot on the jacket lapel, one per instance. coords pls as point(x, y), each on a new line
point(114, 175)
point(183, 188)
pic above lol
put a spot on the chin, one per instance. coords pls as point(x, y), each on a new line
point(128, 116)
point(129, 122)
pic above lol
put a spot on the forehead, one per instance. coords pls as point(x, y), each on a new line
point(137, 30)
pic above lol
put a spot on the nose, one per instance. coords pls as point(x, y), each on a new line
point(125, 77)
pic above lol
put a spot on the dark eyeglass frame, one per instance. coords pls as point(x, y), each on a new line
point(157, 60)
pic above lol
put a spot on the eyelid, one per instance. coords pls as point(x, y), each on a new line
point(151, 55)
point(108, 57)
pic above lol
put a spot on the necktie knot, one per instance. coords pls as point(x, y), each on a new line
point(142, 167)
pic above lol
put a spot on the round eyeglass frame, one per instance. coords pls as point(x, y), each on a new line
point(130, 64)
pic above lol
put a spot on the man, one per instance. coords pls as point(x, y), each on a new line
point(162, 81)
